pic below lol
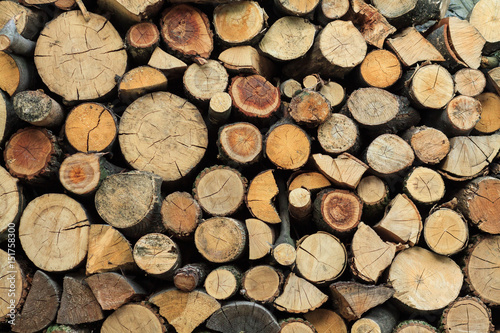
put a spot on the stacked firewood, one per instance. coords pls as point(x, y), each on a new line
point(249, 166)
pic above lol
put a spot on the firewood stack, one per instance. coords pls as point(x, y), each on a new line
point(249, 166)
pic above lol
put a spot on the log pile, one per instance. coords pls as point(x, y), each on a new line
point(316, 166)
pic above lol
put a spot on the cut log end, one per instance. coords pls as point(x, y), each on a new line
point(287, 146)
point(240, 143)
point(261, 284)
point(157, 255)
point(446, 232)
point(337, 210)
point(180, 214)
point(380, 69)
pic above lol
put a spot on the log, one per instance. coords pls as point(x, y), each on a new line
point(431, 87)
point(295, 7)
point(417, 267)
point(239, 22)
point(410, 326)
point(326, 321)
point(477, 201)
point(337, 211)
point(309, 108)
point(321, 257)
point(460, 116)
point(219, 108)
point(8, 118)
point(190, 276)
point(300, 204)
point(184, 311)
point(41, 305)
point(240, 144)
point(373, 26)
point(54, 232)
point(102, 52)
point(287, 146)
point(401, 222)
point(494, 79)
point(370, 254)
point(157, 255)
point(140, 81)
point(78, 303)
point(486, 22)
point(11, 205)
point(38, 109)
point(83, 173)
point(446, 232)
point(260, 238)
point(112, 290)
point(297, 325)
point(353, 299)
point(299, 296)
point(13, 285)
point(11, 40)
point(380, 69)
point(203, 81)
point(164, 134)
point(467, 311)
point(466, 41)
point(180, 214)
point(188, 38)
point(91, 127)
point(337, 49)
point(424, 186)
point(411, 47)
point(242, 316)
point(220, 190)
point(374, 193)
point(141, 40)
point(172, 67)
point(128, 12)
point(284, 249)
point(414, 12)
point(329, 10)
point(490, 120)
point(223, 282)
point(334, 92)
point(65, 4)
point(131, 202)
point(29, 21)
point(254, 98)
point(312, 82)
point(261, 284)
point(389, 155)
point(430, 145)
point(260, 195)
point(290, 88)
point(108, 251)
point(247, 60)
point(344, 171)
point(133, 318)
point(480, 149)
point(16, 73)
point(288, 38)
point(380, 319)
point(481, 269)
point(310, 180)
point(220, 239)
point(380, 111)
point(469, 82)
point(439, 37)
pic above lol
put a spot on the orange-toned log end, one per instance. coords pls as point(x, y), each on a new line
point(80, 173)
point(254, 96)
point(91, 127)
point(309, 108)
point(381, 69)
point(140, 81)
point(186, 30)
point(240, 143)
point(180, 214)
point(28, 152)
point(143, 35)
point(287, 146)
point(337, 210)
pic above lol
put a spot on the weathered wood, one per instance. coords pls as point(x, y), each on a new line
point(431, 87)
point(108, 250)
point(370, 254)
point(78, 303)
point(261, 284)
point(417, 267)
point(412, 12)
point(41, 305)
point(424, 186)
point(184, 311)
point(260, 195)
point(287, 145)
point(353, 299)
point(446, 231)
point(131, 202)
point(29, 21)
point(490, 119)
point(223, 282)
point(321, 257)
point(288, 38)
point(309, 108)
point(290, 88)
point(337, 211)
point(190, 276)
point(467, 311)
point(247, 60)
point(326, 321)
point(54, 231)
point(372, 24)
point(112, 290)
point(240, 144)
point(157, 255)
point(11, 205)
point(38, 109)
point(429, 144)
point(91, 127)
point(202, 81)
point(139, 82)
point(242, 316)
point(260, 238)
point(11, 40)
point(141, 40)
point(102, 52)
point(299, 296)
point(133, 318)
point(164, 134)
point(180, 214)
point(439, 37)
point(388, 155)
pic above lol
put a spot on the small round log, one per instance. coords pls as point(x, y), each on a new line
point(446, 232)
point(490, 118)
point(240, 144)
point(261, 284)
point(223, 282)
point(300, 204)
point(157, 255)
point(15, 73)
point(469, 82)
point(431, 87)
point(219, 108)
point(287, 146)
point(469, 312)
point(339, 134)
point(296, 325)
point(430, 145)
point(180, 214)
point(412, 326)
point(337, 211)
point(309, 108)
point(380, 69)
point(133, 318)
point(290, 88)
point(460, 116)
point(424, 186)
point(141, 40)
point(38, 109)
point(189, 277)
point(374, 193)
point(202, 81)
point(388, 154)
